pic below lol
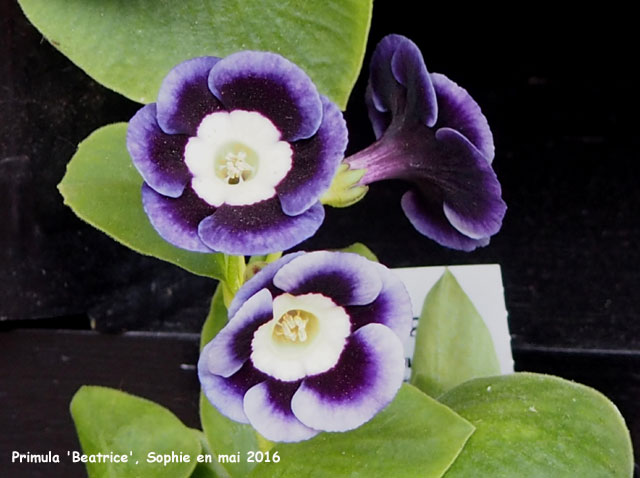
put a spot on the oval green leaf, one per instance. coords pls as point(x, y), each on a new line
point(110, 421)
point(130, 45)
point(538, 426)
point(414, 437)
point(103, 188)
point(453, 344)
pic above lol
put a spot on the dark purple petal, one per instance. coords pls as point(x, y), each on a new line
point(227, 394)
point(315, 161)
point(262, 280)
point(157, 156)
point(365, 380)
point(409, 69)
point(268, 407)
point(392, 307)
point(400, 82)
point(177, 219)
point(382, 83)
point(347, 279)
point(457, 110)
point(427, 216)
point(380, 120)
point(471, 191)
point(259, 228)
point(231, 348)
point(184, 98)
point(273, 86)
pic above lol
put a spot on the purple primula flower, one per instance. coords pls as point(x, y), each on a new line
point(236, 153)
point(431, 133)
point(314, 343)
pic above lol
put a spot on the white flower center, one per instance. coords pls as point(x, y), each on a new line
point(237, 158)
point(305, 337)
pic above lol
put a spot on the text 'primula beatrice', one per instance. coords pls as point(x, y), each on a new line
point(314, 343)
point(236, 153)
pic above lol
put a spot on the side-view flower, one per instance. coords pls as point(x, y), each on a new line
point(235, 154)
point(314, 343)
point(431, 133)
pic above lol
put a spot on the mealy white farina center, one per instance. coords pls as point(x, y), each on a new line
point(237, 158)
point(305, 337)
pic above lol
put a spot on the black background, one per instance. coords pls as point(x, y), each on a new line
point(560, 93)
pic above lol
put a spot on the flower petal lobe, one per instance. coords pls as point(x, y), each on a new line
point(177, 219)
point(157, 156)
point(391, 308)
point(348, 279)
point(428, 218)
point(472, 193)
point(184, 98)
point(365, 380)
point(227, 394)
point(458, 110)
point(315, 162)
point(272, 85)
point(259, 228)
point(268, 407)
point(228, 350)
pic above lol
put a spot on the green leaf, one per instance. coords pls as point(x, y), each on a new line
point(228, 437)
point(453, 343)
point(130, 45)
point(415, 436)
point(537, 426)
point(206, 469)
point(360, 248)
point(109, 420)
point(224, 436)
point(103, 188)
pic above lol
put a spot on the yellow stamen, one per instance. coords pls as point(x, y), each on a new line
point(292, 326)
point(235, 166)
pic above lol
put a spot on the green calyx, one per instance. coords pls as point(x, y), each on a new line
point(345, 190)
